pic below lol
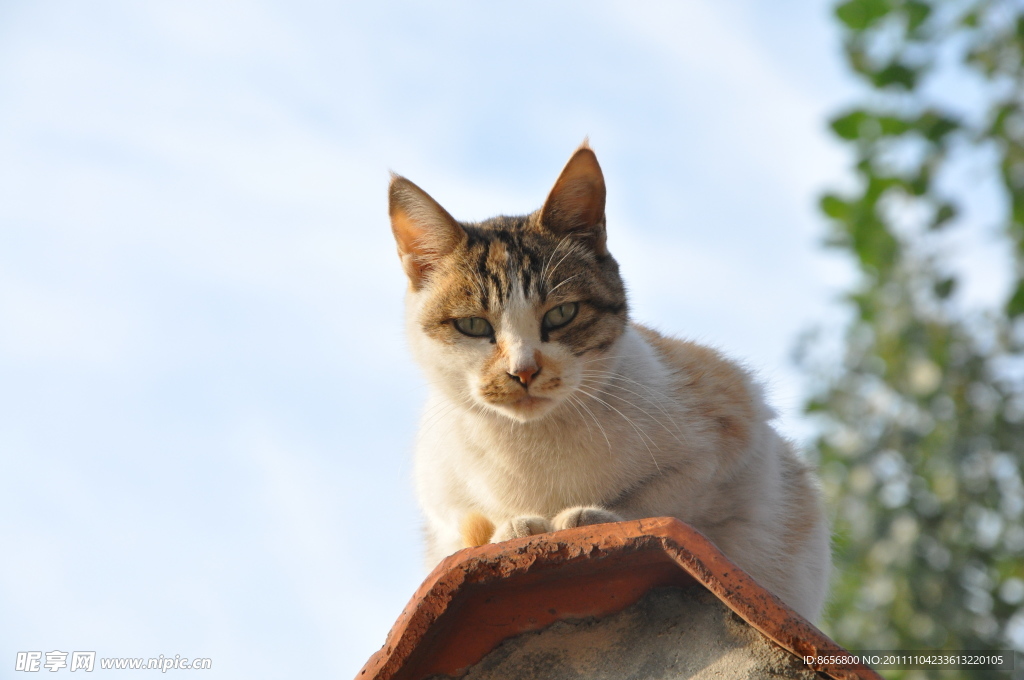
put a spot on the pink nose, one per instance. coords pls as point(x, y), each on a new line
point(524, 376)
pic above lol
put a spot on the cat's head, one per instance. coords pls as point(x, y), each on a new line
point(511, 314)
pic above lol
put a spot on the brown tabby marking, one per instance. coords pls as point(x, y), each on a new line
point(508, 256)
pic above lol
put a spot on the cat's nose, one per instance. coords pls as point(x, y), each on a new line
point(525, 376)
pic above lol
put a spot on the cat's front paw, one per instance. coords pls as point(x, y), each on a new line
point(582, 516)
point(517, 527)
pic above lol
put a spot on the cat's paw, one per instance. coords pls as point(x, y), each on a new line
point(517, 527)
point(582, 516)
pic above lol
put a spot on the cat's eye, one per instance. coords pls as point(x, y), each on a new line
point(474, 326)
point(560, 315)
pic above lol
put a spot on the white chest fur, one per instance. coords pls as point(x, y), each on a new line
point(587, 451)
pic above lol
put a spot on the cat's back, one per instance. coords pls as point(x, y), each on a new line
point(719, 398)
point(782, 537)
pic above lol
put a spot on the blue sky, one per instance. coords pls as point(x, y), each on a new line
point(206, 403)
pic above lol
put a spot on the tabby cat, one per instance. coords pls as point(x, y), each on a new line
point(550, 409)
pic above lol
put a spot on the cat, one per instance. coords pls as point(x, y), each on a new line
point(549, 408)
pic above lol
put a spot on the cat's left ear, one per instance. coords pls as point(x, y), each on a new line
point(424, 231)
point(576, 202)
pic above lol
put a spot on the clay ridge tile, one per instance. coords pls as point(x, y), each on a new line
point(480, 596)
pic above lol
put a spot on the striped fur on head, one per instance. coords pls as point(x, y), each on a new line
point(512, 271)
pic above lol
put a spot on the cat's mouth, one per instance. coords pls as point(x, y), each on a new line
point(529, 401)
point(527, 406)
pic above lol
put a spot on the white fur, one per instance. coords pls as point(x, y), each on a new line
point(612, 438)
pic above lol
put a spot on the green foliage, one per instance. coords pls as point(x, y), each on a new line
point(922, 441)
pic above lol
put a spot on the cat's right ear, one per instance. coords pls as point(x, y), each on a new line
point(424, 231)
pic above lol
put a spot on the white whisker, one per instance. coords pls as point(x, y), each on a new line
point(544, 269)
point(639, 432)
point(596, 421)
point(564, 282)
point(572, 249)
point(647, 413)
point(609, 375)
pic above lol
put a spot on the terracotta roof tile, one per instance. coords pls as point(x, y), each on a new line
point(479, 597)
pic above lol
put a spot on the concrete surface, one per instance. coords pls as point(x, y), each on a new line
point(670, 634)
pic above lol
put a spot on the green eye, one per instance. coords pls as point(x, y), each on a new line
point(474, 326)
point(560, 315)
